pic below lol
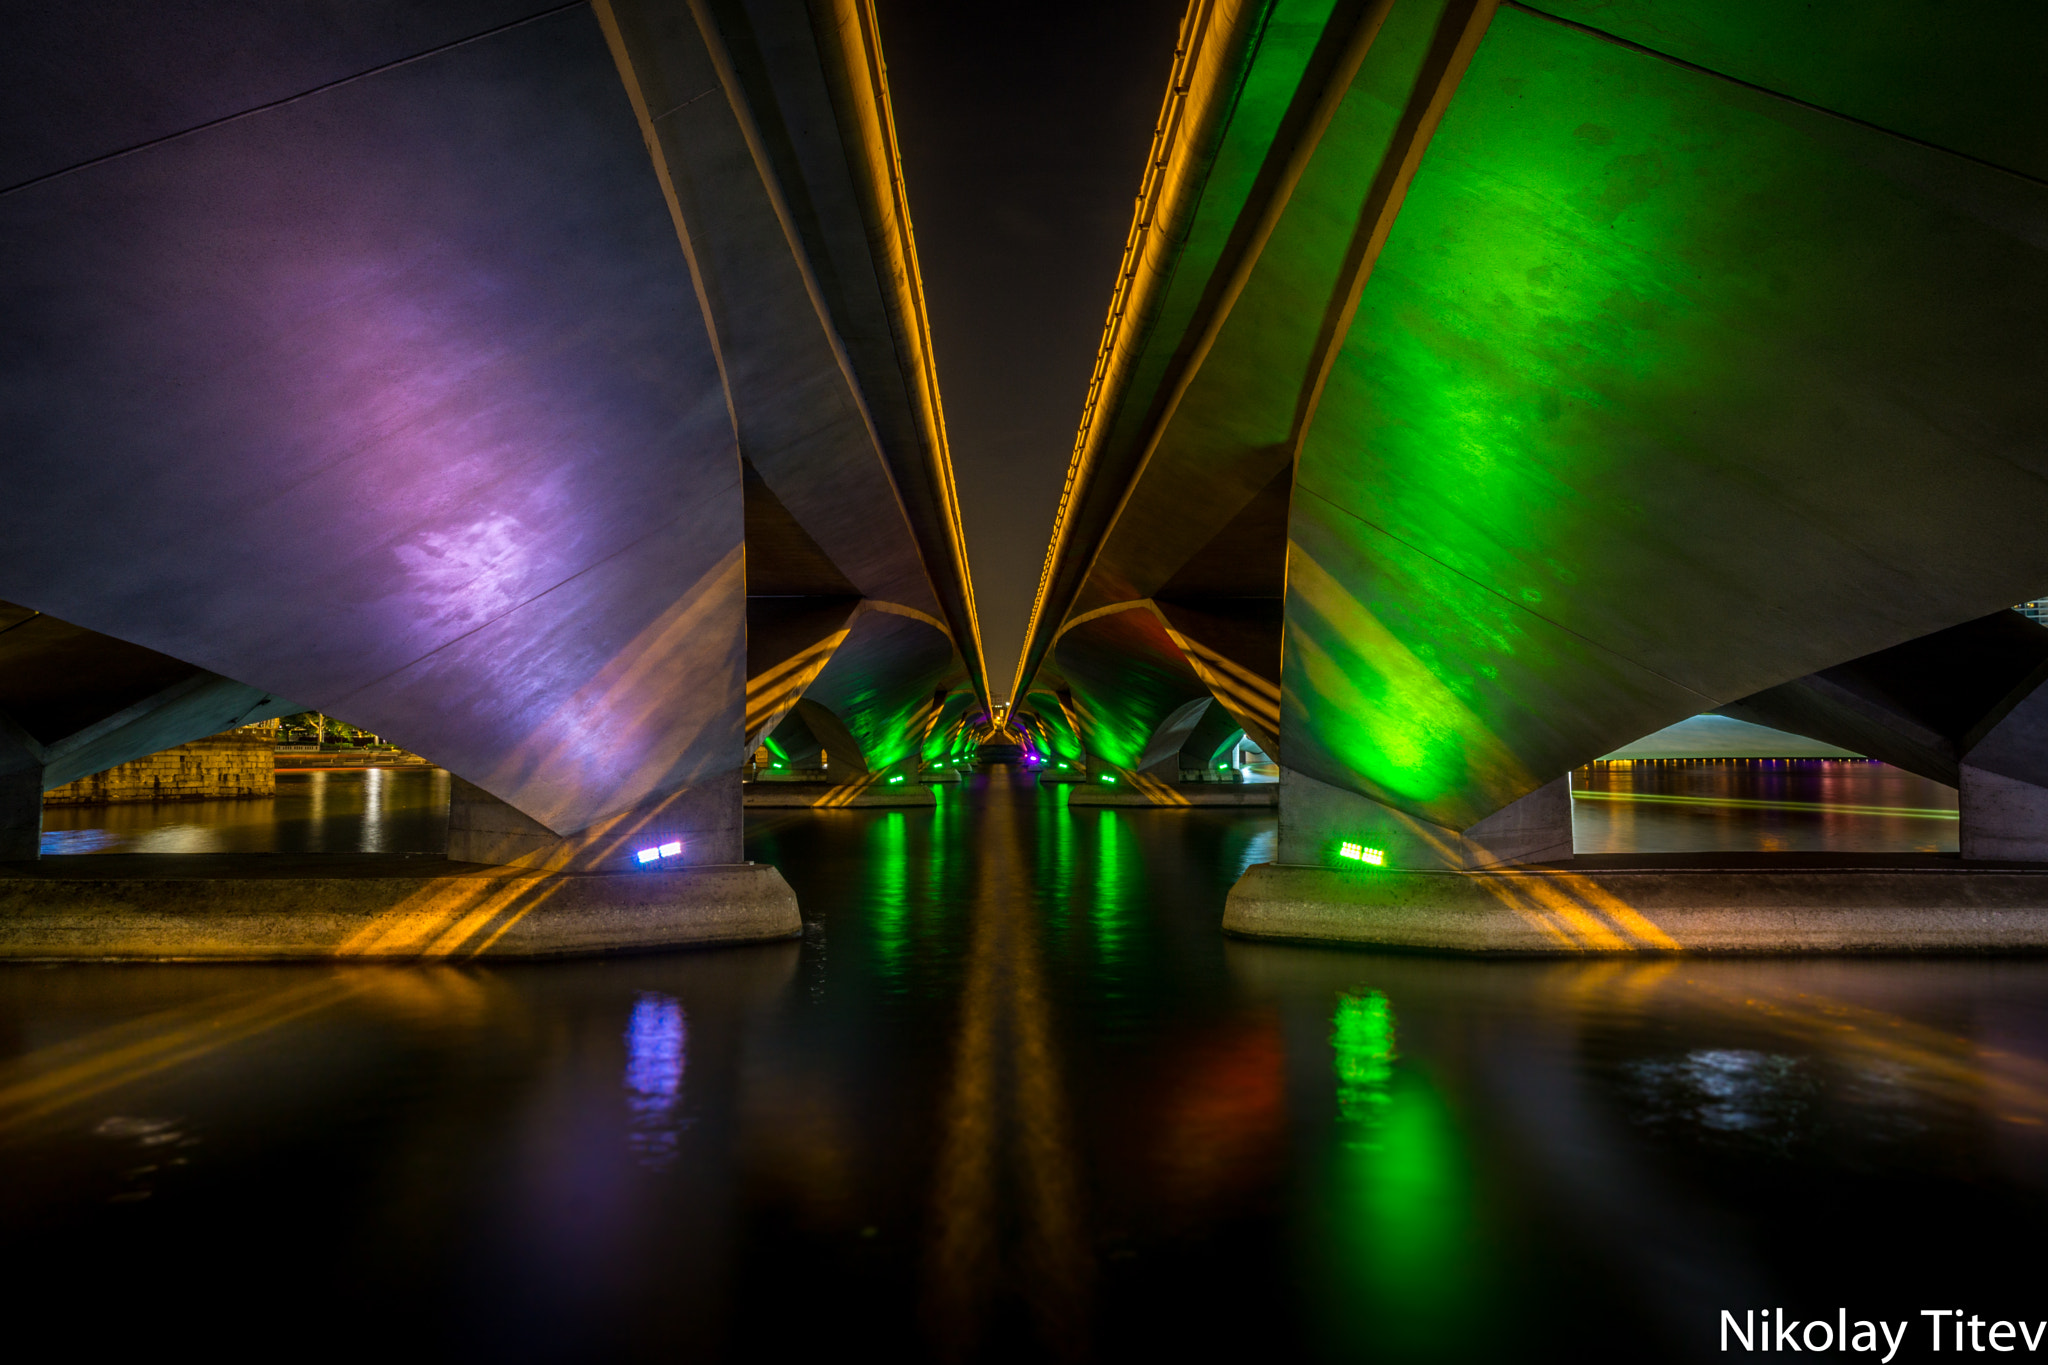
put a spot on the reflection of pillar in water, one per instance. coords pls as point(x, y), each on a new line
point(1362, 1036)
point(316, 819)
point(1408, 1269)
point(889, 871)
point(1003, 1001)
point(373, 810)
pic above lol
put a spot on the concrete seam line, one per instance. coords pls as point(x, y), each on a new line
point(1617, 40)
point(291, 99)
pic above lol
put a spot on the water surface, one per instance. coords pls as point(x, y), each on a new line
point(1013, 1097)
point(359, 810)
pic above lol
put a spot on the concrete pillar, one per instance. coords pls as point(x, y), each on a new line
point(1161, 757)
point(2003, 804)
point(21, 799)
point(21, 815)
point(704, 819)
point(1317, 821)
point(2003, 818)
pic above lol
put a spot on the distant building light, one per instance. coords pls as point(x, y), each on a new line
point(1359, 853)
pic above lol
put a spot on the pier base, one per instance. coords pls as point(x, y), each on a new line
point(268, 907)
point(835, 795)
point(1657, 903)
point(1170, 794)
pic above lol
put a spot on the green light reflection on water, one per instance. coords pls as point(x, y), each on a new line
point(889, 873)
point(1119, 891)
point(1362, 1035)
point(1406, 1271)
point(1055, 862)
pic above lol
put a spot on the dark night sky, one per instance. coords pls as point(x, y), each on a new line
point(1023, 132)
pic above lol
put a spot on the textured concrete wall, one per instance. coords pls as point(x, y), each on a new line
point(236, 763)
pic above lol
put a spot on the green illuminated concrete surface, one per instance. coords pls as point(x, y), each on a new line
point(1655, 904)
point(345, 907)
point(1554, 377)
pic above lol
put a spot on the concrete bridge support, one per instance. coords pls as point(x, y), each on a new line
point(479, 375)
point(1500, 419)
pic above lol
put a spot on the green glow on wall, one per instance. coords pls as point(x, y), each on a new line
point(1618, 293)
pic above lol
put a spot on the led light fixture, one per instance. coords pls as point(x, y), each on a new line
point(896, 779)
point(668, 850)
point(1109, 778)
point(1359, 853)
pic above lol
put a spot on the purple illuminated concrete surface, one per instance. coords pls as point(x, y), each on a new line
point(487, 339)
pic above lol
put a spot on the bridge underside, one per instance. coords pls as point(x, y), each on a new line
point(1489, 387)
point(544, 388)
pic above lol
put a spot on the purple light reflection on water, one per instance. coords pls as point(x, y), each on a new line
point(657, 1051)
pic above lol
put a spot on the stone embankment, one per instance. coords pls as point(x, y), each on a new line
point(236, 763)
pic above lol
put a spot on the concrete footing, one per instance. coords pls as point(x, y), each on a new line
point(836, 795)
point(266, 907)
point(1999, 816)
point(1657, 904)
point(1174, 794)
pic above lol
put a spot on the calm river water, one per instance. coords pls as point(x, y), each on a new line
point(1014, 1097)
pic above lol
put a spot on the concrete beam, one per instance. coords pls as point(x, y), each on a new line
point(843, 758)
point(1161, 756)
